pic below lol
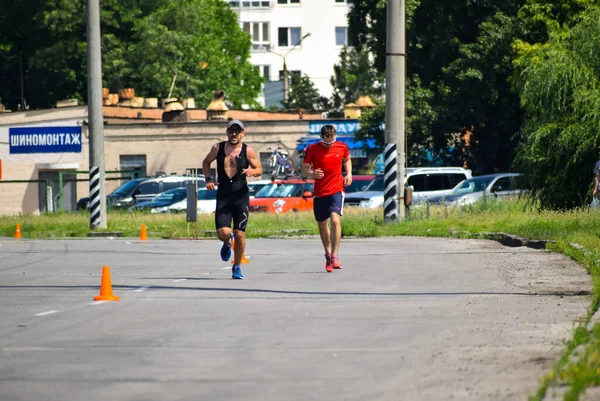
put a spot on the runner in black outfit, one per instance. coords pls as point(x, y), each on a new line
point(235, 162)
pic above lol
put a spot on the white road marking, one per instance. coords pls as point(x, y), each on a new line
point(178, 280)
point(97, 302)
point(47, 313)
point(142, 288)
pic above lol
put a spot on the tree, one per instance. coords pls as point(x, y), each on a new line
point(182, 37)
point(421, 149)
point(353, 77)
point(304, 94)
point(43, 43)
point(144, 43)
point(461, 53)
point(558, 82)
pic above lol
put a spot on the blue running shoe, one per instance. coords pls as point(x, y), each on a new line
point(236, 273)
point(226, 249)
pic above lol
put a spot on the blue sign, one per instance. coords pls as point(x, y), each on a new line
point(342, 127)
point(44, 140)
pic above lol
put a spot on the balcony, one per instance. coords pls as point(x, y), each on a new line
point(261, 47)
point(250, 4)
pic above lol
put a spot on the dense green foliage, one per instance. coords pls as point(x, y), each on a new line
point(459, 55)
point(559, 84)
point(354, 76)
point(144, 43)
point(304, 94)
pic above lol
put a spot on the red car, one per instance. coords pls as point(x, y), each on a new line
point(282, 196)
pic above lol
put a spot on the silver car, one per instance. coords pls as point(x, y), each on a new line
point(493, 186)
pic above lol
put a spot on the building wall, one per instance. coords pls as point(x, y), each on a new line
point(169, 147)
point(24, 197)
point(317, 54)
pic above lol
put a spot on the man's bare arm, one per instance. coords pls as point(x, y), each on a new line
point(255, 169)
point(210, 157)
point(348, 166)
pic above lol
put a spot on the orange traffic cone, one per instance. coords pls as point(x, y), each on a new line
point(143, 235)
point(106, 293)
point(18, 231)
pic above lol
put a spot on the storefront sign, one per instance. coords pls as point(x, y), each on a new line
point(342, 127)
point(44, 140)
point(358, 153)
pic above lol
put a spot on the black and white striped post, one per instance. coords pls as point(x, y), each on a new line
point(94, 203)
point(390, 183)
point(97, 203)
point(393, 195)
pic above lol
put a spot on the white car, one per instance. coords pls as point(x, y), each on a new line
point(207, 202)
point(426, 182)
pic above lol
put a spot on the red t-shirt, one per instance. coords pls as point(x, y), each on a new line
point(330, 161)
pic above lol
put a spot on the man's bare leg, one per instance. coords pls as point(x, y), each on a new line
point(224, 234)
point(325, 236)
point(240, 246)
point(336, 233)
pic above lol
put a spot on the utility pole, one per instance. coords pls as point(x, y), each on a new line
point(286, 85)
point(97, 204)
point(395, 78)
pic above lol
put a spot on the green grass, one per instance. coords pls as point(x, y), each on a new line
point(581, 226)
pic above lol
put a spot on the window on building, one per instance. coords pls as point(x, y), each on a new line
point(250, 4)
point(133, 163)
point(289, 36)
point(294, 76)
point(265, 71)
point(341, 36)
point(288, 1)
point(259, 34)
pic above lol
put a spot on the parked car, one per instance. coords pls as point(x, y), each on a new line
point(162, 200)
point(359, 183)
point(426, 182)
point(282, 196)
point(493, 186)
point(207, 203)
point(143, 189)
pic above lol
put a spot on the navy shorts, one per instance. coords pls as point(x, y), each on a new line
point(233, 207)
point(325, 205)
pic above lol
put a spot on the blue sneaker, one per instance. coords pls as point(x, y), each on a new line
point(236, 273)
point(226, 249)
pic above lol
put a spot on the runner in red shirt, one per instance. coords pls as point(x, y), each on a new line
point(323, 162)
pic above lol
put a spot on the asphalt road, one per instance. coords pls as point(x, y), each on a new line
point(406, 319)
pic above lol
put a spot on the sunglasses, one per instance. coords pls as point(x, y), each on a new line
point(234, 131)
point(328, 135)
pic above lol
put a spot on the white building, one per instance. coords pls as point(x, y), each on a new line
point(275, 26)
